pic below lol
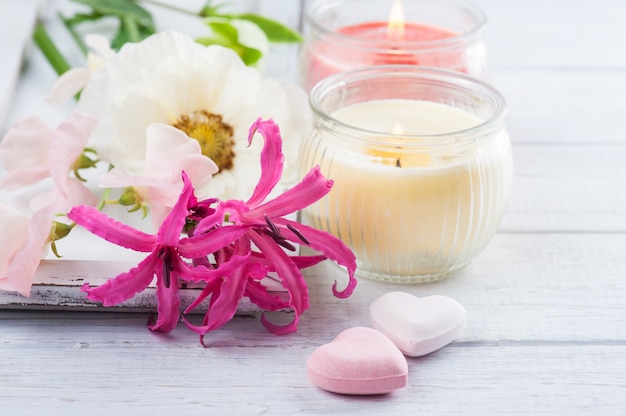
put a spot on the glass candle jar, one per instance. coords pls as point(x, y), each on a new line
point(422, 168)
point(346, 34)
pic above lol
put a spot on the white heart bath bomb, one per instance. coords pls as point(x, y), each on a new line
point(418, 326)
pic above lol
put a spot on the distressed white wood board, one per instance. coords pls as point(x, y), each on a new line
point(464, 379)
point(576, 187)
point(546, 107)
point(57, 285)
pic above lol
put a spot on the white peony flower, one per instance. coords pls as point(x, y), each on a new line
point(208, 93)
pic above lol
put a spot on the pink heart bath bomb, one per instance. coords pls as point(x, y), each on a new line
point(418, 326)
point(359, 361)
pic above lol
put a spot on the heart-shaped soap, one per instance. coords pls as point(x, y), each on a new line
point(359, 361)
point(418, 326)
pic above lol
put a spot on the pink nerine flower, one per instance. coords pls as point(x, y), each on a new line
point(231, 248)
point(266, 228)
point(164, 260)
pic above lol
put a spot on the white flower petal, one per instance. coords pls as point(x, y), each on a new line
point(68, 85)
point(100, 45)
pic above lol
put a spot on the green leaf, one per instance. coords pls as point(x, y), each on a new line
point(224, 30)
point(135, 22)
point(226, 35)
point(275, 31)
point(208, 10)
point(130, 30)
point(79, 18)
point(249, 56)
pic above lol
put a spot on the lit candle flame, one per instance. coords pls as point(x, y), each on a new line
point(397, 129)
point(395, 25)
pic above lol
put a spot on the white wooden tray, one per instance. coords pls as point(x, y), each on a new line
point(57, 285)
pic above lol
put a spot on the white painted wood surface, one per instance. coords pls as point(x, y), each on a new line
point(546, 302)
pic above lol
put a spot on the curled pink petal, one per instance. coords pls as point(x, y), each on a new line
point(281, 329)
point(288, 273)
point(168, 303)
point(125, 285)
point(223, 306)
point(169, 233)
point(331, 247)
point(313, 187)
point(211, 288)
point(111, 230)
point(303, 262)
point(205, 244)
point(258, 294)
point(199, 274)
point(234, 210)
point(272, 159)
point(224, 302)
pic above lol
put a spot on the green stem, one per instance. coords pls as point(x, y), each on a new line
point(105, 199)
point(133, 30)
point(74, 34)
point(50, 51)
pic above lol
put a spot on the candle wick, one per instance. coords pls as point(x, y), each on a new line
point(398, 163)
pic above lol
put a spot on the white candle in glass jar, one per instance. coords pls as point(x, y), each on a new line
point(408, 208)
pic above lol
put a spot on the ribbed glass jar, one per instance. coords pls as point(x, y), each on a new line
point(422, 168)
point(344, 34)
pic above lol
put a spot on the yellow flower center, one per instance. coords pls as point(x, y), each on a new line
point(214, 136)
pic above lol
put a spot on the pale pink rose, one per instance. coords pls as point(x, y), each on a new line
point(22, 245)
point(169, 152)
point(24, 240)
point(31, 151)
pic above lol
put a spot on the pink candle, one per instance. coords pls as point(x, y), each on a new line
point(346, 34)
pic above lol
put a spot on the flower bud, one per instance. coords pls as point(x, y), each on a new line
point(59, 230)
point(129, 197)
